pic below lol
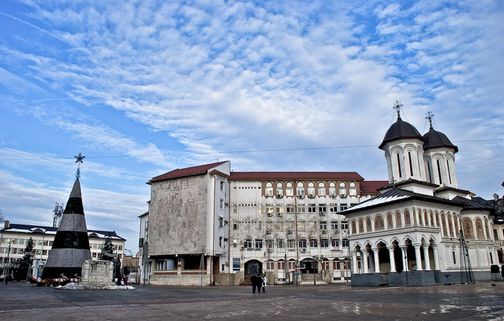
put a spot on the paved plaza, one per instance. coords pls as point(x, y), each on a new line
point(482, 301)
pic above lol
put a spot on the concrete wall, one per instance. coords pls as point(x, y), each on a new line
point(177, 216)
point(97, 273)
point(173, 278)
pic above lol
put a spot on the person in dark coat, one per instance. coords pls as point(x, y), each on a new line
point(256, 283)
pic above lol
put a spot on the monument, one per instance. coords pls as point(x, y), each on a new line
point(71, 243)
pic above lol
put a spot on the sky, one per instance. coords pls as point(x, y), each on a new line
point(143, 87)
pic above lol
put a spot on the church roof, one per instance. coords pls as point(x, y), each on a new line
point(30, 229)
point(436, 139)
point(396, 195)
point(400, 130)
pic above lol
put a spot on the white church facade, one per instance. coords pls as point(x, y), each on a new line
point(421, 229)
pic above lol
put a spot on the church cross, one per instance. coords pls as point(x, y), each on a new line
point(429, 117)
point(397, 107)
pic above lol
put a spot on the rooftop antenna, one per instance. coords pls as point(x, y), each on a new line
point(429, 117)
point(397, 107)
point(79, 160)
point(58, 214)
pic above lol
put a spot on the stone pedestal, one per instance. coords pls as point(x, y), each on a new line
point(97, 274)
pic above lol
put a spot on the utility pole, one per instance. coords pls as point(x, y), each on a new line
point(7, 273)
point(465, 263)
point(296, 271)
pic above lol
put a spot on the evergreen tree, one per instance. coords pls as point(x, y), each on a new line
point(23, 268)
point(107, 252)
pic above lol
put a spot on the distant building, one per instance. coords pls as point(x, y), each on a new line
point(13, 238)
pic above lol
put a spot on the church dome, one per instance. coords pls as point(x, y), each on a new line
point(400, 130)
point(436, 139)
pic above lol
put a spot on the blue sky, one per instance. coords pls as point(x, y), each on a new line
point(143, 87)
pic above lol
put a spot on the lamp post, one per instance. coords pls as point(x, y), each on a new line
point(7, 273)
point(314, 266)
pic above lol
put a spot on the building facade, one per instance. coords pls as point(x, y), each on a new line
point(14, 237)
point(286, 224)
point(188, 225)
point(208, 225)
point(421, 229)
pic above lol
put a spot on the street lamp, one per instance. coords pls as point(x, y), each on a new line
point(314, 266)
point(7, 273)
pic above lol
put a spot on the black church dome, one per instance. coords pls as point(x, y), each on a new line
point(400, 130)
point(436, 139)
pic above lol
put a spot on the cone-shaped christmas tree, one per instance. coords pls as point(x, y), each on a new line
point(71, 244)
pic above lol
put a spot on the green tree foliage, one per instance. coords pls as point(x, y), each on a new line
point(107, 252)
point(23, 266)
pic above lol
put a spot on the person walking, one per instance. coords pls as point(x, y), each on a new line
point(264, 280)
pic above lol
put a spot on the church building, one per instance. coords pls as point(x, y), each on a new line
point(422, 228)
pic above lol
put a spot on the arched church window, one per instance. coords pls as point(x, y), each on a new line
point(311, 189)
point(487, 229)
point(448, 171)
point(439, 171)
point(354, 228)
point(300, 189)
point(390, 223)
point(443, 223)
point(268, 191)
point(420, 218)
point(479, 229)
point(398, 220)
point(450, 225)
point(321, 189)
point(468, 230)
point(368, 225)
point(353, 189)
point(289, 190)
point(361, 225)
point(407, 219)
point(342, 189)
point(379, 225)
point(279, 189)
point(429, 170)
point(399, 164)
point(456, 225)
point(433, 223)
point(332, 189)
point(410, 164)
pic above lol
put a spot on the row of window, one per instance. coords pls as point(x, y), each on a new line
point(322, 225)
point(299, 209)
point(280, 265)
point(291, 244)
point(322, 189)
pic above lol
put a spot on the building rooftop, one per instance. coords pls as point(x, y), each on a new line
point(34, 229)
point(186, 172)
point(267, 176)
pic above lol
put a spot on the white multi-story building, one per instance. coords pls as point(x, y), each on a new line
point(14, 237)
point(286, 224)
